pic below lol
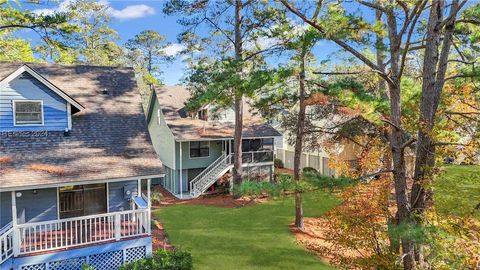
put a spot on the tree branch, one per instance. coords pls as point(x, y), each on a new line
point(408, 143)
point(374, 174)
point(336, 73)
point(339, 42)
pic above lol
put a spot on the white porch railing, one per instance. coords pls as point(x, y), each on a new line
point(6, 245)
point(72, 232)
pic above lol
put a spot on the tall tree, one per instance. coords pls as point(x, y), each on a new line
point(49, 27)
point(94, 42)
point(400, 41)
point(230, 45)
point(147, 51)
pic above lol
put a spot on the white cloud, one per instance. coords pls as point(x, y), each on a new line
point(173, 49)
point(127, 13)
point(262, 43)
point(132, 12)
point(62, 7)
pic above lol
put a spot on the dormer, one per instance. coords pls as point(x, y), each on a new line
point(30, 102)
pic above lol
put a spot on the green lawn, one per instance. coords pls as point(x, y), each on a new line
point(252, 237)
point(457, 191)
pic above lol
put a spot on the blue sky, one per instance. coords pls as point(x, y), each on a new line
point(131, 17)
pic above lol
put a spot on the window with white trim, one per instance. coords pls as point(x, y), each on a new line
point(28, 112)
point(199, 149)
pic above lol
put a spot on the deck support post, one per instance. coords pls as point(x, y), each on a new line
point(181, 172)
point(16, 233)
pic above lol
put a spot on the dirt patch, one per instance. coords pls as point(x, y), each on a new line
point(283, 171)
point(315, 239)
point(221, 200)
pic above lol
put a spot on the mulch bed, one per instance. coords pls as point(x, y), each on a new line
point(219, 200)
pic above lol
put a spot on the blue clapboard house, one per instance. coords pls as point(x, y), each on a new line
point(75, 167)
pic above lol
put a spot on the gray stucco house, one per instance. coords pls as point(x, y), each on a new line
point(75, 167)
point(196, 147)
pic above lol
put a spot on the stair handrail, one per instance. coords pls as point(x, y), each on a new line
point(6, 245)
point(6, 228)
point(208, 170)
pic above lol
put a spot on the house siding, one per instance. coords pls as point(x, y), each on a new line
point(162, 138)
point(38, 207)
point(116, 195)
point(26, 87)
point(196, 163)
point(5, 208)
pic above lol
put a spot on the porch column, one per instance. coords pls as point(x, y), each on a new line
point(16, 234)
point(181, 172)
point(149, 203)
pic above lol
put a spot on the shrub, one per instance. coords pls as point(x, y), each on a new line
point(309, 169)
point(163, 260)
point(156, 197)
point(278, 163)
point(325, 181)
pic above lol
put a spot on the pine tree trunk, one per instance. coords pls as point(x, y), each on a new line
point(299, 143)
point(434, 70)
point(237, 166)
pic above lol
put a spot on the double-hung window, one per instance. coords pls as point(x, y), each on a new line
point(199, 149)
point(28, 112)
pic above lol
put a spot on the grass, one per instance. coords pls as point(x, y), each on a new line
point(253, 237)
point(457, 191)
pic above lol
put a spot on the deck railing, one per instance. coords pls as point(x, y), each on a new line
point(6, 245)
point(72, 232)
point(257, 156)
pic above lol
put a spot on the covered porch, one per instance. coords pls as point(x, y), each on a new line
point(45, 219)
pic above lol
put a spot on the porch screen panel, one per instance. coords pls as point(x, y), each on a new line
point(82, 200)
point(95, 199)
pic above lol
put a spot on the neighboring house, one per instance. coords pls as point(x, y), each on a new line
point(319, 158)
point(196, 147)
point(75, 165)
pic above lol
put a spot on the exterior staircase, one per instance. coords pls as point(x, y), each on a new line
point(210, 175)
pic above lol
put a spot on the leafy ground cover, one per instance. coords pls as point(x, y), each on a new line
point(252, 237)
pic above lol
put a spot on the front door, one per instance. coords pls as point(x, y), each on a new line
point(82, 200)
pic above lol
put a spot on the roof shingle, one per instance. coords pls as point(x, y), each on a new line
point(172, 101)
point(108, 140)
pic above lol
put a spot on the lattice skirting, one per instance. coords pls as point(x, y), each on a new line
point(102, 261)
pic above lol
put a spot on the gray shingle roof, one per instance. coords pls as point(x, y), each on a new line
point(108, 140)
point(172, 101)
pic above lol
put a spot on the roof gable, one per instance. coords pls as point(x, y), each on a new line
point(26, 69)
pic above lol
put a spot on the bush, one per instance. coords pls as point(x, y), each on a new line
point(278, 163)
point(309, 169)
point(163, 260)
point(325, 181)
point(156, 197)
point(87, 267)
point(284, 184)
